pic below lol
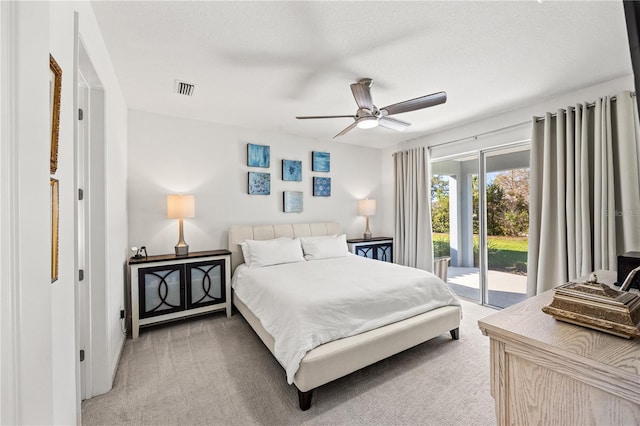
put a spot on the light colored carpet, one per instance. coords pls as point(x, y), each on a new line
point(214, 370)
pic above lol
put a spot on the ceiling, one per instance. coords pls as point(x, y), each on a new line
point(260, 64)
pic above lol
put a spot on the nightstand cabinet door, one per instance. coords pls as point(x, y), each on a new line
point(161, 290)
point(379, 248)
point(384, 252)
point(366, 251)
point(205, 283)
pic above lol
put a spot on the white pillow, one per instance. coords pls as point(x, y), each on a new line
point(259, 253)
point(246, 254)
point(316, 248)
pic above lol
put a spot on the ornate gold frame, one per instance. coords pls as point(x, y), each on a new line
point(55, 86)
point(53, 183)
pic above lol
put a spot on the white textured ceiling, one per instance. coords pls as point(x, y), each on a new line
point(259, 64)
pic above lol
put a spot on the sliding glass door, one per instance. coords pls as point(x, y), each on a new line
point(480, 219)
point(454, 215)
point(506, 225)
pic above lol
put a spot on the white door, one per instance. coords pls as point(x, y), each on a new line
point(82, 234)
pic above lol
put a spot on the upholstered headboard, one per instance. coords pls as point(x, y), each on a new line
point(239, 233)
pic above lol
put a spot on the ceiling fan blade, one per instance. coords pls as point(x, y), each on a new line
point(351, 126)
point(393, 123)
point(325, 116)
point(362, 94)
point(415, 104)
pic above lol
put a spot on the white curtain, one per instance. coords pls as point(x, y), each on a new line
point(626, 156)
point(413, 244)
point(585, 198)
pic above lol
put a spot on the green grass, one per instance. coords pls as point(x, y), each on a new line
point(505, 253)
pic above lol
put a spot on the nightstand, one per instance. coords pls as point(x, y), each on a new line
point(379, 248)
point(169, 287)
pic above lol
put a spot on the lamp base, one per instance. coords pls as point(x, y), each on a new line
point(367, 231)
point(182, 250)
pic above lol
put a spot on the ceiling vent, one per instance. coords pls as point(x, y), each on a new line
point(184, 88)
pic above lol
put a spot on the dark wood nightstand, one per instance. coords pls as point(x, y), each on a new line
point(379, 248)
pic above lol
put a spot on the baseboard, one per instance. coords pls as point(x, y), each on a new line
point(114, 368)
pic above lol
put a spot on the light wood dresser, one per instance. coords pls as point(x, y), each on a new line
point(546, 372)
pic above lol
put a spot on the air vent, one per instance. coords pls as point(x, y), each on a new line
point(184, 88)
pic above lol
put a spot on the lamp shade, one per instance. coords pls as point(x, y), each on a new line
point(367, 207)
point(181, 206)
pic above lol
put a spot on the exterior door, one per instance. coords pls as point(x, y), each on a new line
point(506, 224)
point(480, 220)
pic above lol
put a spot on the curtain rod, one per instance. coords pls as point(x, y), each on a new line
point(588, 104)
point(502, 129)
point(475, 137)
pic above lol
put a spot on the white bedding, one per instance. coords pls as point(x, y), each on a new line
point(303, 305)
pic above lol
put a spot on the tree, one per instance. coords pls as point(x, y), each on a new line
point(507, 203)
point(497, 210)
point(514, 207)
point(440, 204)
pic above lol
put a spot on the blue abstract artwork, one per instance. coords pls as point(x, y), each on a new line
point(292, 170)
point(320, 161)
point(321, 187)
point(259, 183)
point(258, 155)
point(292, 202)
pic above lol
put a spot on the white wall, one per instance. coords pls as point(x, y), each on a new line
point(39, 353)
point(26, 363)
point(106, 321)
point(172, 155)
point(489, 124)
point(115, 198)
point(64, 350)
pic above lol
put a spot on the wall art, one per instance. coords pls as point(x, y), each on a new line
point(320, 161)
point(53, 183)
point(292, 170)
point(55, 87)
point(258, 155)
point(259, 183)
point(292, 201)
point(321, 186)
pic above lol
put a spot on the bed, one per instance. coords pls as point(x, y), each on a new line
point(335, 358)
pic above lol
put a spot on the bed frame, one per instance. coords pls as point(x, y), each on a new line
point(336, 359)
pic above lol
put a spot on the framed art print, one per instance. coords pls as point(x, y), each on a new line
point(259, 183)
point(320, 161)
point(258, 155)
point(292, 170)
point(292, 201)
point(55, 223)
point(321, 187)
point(55, 86)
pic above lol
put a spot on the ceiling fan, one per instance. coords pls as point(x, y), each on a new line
point(368, 115)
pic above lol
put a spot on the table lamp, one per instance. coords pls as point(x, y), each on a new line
point(181, 207)
point(367, 208)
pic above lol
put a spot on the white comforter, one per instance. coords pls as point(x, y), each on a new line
point(303, 305)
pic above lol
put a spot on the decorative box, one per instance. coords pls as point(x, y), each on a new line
point(598, 306)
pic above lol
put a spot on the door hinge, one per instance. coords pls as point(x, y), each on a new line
point(80, 194)
point(81, 275)
point(80, 114)
point(81, 355)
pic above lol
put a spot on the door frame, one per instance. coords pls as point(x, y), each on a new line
point(480, 156)
point(92, 334)
point(483, 249)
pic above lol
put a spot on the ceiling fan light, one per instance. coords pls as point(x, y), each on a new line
point(367, 122)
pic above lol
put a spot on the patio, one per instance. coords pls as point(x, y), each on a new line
point(504, 289)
